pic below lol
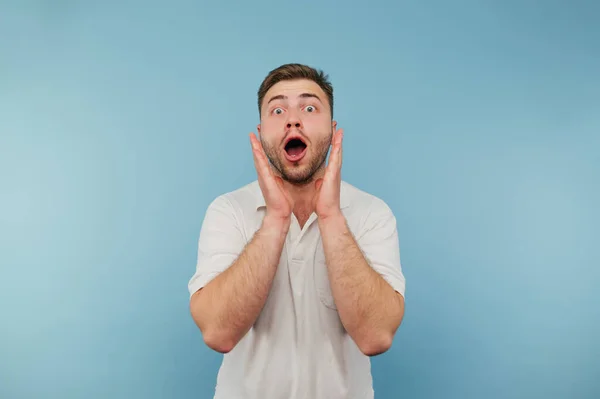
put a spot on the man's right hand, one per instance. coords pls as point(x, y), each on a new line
point(228, 306)
point(278, 201)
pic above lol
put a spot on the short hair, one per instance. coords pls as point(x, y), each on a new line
point(295, 72)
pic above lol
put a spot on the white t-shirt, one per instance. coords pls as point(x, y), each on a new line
point(298, 347)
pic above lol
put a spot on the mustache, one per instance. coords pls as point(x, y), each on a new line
point(294, 132)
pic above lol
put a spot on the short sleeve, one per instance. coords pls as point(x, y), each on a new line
point(221, 242)
point(378, 240)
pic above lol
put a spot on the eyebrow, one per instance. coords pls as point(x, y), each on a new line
point(303, 95)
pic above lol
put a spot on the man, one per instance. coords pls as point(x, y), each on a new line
point(298, 279)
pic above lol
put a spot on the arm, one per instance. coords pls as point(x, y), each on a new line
point(367, 289)
point(241, 274)
point(370, 309)
point(228, 306)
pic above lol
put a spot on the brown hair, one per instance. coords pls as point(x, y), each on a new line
point(293, 72)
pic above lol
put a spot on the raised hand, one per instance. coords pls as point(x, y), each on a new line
point(327, 197)
point(279, 202)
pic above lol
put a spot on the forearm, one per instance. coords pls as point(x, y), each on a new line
point(228, 306)
point(369, 308)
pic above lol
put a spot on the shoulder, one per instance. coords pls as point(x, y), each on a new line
point(247, 196)
point(361, 202)
point(369, 217)
point(239, 203)
point(234, 211)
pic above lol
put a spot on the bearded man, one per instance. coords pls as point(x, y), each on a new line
point(298, 279)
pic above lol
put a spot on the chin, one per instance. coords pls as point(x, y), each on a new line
point(298, 176)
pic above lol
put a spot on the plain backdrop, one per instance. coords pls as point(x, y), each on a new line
point(478, 122)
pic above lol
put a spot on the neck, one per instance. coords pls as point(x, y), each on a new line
point(303, 195)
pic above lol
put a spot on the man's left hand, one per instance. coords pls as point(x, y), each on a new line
point(327, 196)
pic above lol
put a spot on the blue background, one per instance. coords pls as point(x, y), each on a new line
point(477, 121)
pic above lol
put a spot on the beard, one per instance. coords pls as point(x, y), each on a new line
point(295, 173)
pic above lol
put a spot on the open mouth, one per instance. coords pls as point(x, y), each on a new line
point(295, 149)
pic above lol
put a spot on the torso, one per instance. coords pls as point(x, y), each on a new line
point(302, 214)
point(298, 347)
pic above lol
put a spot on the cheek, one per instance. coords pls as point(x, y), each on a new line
point(270, 135)
point(271, 126)
point(318, 127)
point(318, 120)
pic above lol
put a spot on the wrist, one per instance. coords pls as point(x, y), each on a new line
point(277, 226)
point(333, 221)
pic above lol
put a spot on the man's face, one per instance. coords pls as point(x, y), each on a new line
point(296, 129)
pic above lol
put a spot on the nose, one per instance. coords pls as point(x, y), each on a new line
point(294, 121)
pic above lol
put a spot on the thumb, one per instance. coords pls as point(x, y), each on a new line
point(279, 181)
point(318, 184)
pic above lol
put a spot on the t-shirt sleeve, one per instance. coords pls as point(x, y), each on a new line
point(221, 242)
point(379, 243)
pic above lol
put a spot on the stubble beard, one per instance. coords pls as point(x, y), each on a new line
point(295, 174)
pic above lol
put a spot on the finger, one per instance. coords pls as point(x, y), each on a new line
point(336, 152)
point(256, 145)
point(261, 164)
point(259, 157)
point(256, 153)
point(318, 184)
point(340, 139)
point(279, 182)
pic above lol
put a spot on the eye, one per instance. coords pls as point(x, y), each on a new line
point(310, 108)
point(278, 111)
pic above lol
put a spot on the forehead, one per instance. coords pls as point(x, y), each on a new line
point(292, 89)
